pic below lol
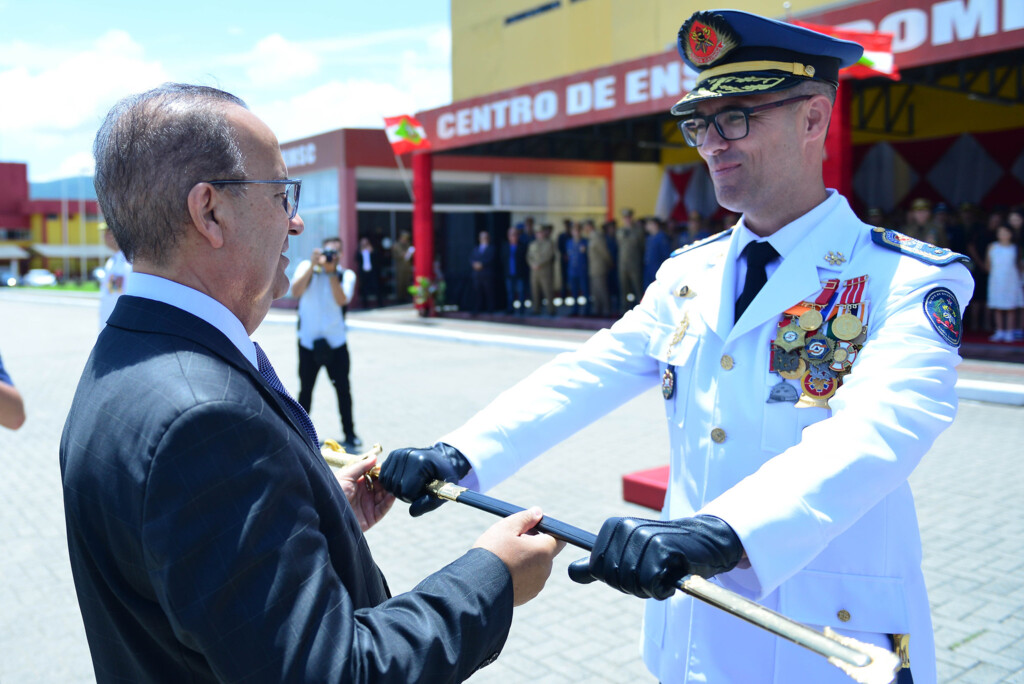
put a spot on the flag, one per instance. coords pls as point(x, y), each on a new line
point(405, 134)
point(878, 58)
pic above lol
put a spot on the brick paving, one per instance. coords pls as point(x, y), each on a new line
point(968, 491)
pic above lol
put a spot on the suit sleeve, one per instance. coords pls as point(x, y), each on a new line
point(887, 414)
point(238, 547)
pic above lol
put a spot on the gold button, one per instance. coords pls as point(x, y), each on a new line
point(843, 615)
point(718, 435)
point(727, 362)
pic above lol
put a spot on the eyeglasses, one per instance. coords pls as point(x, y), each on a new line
point(290, 201)
point(731, 124)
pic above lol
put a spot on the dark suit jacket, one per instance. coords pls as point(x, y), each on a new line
point(210, 541)
point(485, 258)
point(522, 268)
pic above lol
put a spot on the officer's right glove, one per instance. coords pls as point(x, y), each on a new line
point(647, 558)
point(407, 472)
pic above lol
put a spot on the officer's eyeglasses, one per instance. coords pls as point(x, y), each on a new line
point(731, 124)
point(290, 198)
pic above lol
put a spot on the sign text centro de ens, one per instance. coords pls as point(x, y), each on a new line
point(579, 97)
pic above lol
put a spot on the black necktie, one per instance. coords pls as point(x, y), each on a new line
point(758, 255)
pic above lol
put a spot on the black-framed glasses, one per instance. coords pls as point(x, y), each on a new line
point(290, 201)
point(731, 124)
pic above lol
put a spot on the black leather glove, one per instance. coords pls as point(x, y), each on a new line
point(647, 558)
point(407, 472)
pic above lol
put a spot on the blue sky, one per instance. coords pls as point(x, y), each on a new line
point(304, 67)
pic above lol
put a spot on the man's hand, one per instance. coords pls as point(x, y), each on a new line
point(527, 555)
point(407, 472)
point(367, 498)
point(647, 558)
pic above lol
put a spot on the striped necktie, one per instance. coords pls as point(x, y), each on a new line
point(299, 413)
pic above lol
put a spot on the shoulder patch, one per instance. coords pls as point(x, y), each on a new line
point(700, 243)
point(922, 251)
point(943, 312)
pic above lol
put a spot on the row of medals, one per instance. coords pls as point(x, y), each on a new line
point(815, 352)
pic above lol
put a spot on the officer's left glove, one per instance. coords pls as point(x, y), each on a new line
point(647, 558)
point(407, 472)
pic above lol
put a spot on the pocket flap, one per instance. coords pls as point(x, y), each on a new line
point(853, 602)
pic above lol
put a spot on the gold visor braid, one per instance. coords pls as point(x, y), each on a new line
point(795, 68)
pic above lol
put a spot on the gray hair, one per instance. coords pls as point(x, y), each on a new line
point(810, 87)
point(151, 150)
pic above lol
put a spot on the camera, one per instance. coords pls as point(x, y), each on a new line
point(330, 255)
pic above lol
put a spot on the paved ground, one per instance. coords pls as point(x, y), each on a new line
point(409, 390)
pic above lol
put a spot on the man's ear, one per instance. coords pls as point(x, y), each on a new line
point(819, 113)
point(204, 204)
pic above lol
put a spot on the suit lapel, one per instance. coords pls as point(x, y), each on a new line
point(147, 315)
point(714, 285)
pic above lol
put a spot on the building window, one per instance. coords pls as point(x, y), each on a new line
point(532, 12)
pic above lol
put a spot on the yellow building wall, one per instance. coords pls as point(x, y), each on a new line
point(635, 186)
point(489, 55)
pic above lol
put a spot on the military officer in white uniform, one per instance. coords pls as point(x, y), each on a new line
point(807, 363)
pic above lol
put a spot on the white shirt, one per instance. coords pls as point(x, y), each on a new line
point(784, 240)
point(196, 303)
point(319, 315)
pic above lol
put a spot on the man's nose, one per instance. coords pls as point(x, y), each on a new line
point(713, 141)
point(296, 225)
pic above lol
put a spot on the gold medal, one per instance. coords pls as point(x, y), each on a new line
point(846, 326)
point(790, 337)
point(810, 320)
point(817, 389)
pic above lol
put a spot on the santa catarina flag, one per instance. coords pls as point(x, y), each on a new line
point(405, 134)
point(877, 59)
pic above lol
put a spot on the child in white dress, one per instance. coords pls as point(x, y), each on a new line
point(1004, 284)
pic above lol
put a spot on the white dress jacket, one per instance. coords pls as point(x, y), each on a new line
point(818, 496)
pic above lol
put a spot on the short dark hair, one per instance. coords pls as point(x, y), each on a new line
point(333, 238)
point(151, 150)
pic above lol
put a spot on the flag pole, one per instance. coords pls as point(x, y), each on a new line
point(404, 175)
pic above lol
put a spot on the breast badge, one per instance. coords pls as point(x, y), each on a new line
point(817, 344)
point(668, 382)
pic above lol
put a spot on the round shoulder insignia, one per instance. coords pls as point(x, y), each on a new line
point(943, 312)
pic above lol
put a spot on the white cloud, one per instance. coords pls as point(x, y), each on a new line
point(78, 164)
point(275, 61)
point(391, 72)
point(299, 87)
point(61, 101)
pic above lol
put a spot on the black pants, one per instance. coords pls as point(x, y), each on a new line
point(336, 362)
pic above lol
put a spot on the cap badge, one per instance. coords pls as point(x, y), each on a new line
point(708, 38)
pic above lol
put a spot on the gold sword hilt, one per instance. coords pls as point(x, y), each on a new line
point(336, 456)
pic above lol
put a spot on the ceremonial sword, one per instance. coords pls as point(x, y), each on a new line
point(864, 663)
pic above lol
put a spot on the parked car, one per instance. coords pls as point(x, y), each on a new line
point(39, 277)
point(8, 279)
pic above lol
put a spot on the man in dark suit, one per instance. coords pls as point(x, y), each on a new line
point(208, 538)
point(517, 271)
point(482, 262)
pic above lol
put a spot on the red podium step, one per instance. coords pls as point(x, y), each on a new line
point(646, 487)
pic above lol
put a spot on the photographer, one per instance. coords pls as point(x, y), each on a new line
point(323, 286)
